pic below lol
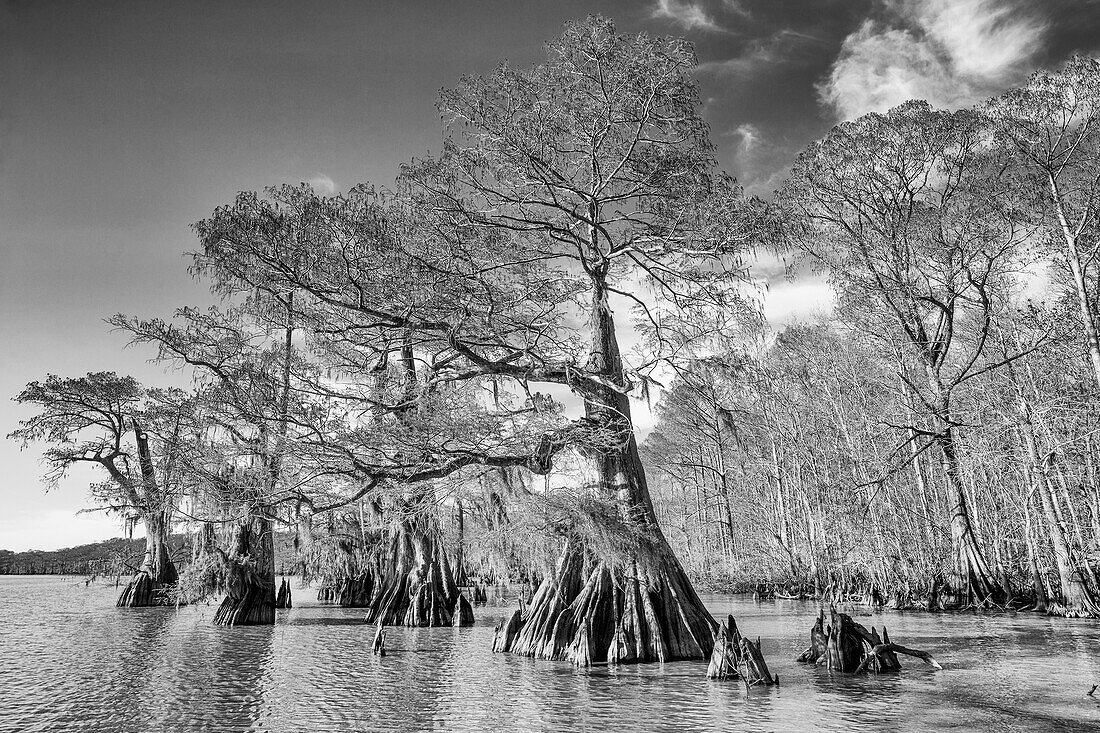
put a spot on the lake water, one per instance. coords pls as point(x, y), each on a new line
point(71, 661)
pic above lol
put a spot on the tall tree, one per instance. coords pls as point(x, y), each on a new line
point(910, 216)
point(562, 189)
point(1052, 124)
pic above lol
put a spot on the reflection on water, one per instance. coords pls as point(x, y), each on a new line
point(71, 661)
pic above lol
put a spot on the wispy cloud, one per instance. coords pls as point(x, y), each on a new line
point(781, 47)
point(949, 52)
point(737, 8)
point(748, 137)
point(687, 14)
point(988, 40)
point(758, 160)
point(322, 184)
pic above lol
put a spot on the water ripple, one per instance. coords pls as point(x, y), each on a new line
point(71, 661)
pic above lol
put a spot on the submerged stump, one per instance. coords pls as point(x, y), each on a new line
point(282, 597)
point(735, 657)
point(847, 646)
point(726, 656)
point(818, 641)
point(378, 646)
point(464, 612)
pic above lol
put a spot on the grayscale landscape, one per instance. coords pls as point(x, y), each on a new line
point(668, 365)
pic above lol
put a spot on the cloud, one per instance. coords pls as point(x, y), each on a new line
point(949, 52)
point(737, 8)
point(322, 184)
point(783, 47)
point(749, 138)
point(758, 161)
point(689, 15)
point(880, 68)
point(985, 39)
point(803, 299)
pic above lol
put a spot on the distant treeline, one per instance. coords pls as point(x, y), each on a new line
point(117, 556)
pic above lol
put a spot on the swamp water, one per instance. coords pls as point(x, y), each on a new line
point(71, 661)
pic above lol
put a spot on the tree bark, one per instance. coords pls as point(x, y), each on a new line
point(1073, 257)
point(1042, 601)
point(153, 583)
point(250, 593)
point(413, 580)
point(461, 577)
point(973, 582)
point(1078, 599)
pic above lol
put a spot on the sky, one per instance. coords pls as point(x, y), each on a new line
point(122, 123)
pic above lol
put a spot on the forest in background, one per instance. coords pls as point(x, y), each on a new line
point(118, 557)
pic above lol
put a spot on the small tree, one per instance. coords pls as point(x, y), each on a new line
point(90, 420)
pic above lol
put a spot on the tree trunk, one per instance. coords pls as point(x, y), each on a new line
point(1073, 257)
point(973, 583)
point(591, 611)
point(460, 544)
point(153, 583)
point(1042, 602)
point(1077, 598)
point(413, 582)
point(250, 592)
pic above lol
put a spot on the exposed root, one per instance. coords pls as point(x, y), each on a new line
point(426, 595)
point(590, 613)
point(142, 591)
point(506, 631)
point(886, 648)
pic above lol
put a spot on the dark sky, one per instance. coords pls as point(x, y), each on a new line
point(121, 123)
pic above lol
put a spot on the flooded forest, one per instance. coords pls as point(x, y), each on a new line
point(537, 360)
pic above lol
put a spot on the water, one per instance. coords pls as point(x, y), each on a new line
point(71, 661)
